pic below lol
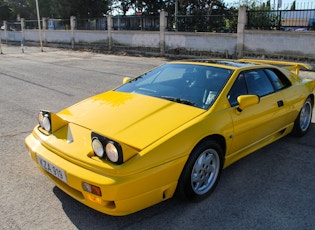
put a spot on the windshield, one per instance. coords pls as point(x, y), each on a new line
point(190, 84)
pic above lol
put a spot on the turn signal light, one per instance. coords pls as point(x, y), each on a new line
point(91, 189)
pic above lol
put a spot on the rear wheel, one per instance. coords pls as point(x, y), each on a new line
point(201, 172)
point(303, 121)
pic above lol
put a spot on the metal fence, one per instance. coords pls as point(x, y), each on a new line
point(31, 24)
point(48, 24)
point(91, 24)
point(288, 20)
point(203, 23)
point(57, 24)
point(12, 26)
point(134, 22)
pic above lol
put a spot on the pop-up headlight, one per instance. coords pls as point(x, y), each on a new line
point(106, 148)
point(44, 121)
point(50, 122)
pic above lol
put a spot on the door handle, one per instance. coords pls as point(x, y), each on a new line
point(280, 103)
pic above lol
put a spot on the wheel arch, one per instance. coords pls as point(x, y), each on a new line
point(184, 189)
point(215, 137)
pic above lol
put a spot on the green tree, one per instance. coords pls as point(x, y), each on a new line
point(262, 17)
point(146, 7)
point(27, 8)
point(153, 7)
point(203, 15)
point(4, 12)
point(58, 8)
point(80, 8)
point(122, 6)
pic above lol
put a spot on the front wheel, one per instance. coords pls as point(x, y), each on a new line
point(201, 172)
point(304, 119)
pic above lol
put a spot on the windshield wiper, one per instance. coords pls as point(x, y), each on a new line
point(179, 100)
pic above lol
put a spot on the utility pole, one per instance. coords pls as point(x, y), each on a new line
point(39, 27)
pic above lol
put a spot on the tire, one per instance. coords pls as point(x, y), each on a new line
point(202, 171)
point(304, 119)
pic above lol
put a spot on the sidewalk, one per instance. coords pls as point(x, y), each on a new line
point(12, 49)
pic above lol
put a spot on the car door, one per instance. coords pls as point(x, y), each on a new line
point(257, 122)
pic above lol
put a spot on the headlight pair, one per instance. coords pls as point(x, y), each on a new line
point(102, 146)
point(107, 149)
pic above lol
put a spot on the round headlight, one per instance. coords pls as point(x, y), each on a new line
point(112, 152)
point(44, 121)
point(98, 147)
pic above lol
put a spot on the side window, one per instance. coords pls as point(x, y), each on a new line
point(258, 83)
point(278, 79)
point(238, 89)
point(252, 82)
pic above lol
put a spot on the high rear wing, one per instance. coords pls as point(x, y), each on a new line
point(291, 66)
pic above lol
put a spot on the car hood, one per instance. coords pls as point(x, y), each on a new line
point(133, 119)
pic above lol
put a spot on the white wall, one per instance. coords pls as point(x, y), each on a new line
point(136, 38)
point(288, 44)
point(211, 42)
point(278, 42)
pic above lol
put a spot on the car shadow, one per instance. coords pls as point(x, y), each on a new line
point(84, 217)
point(253, 187)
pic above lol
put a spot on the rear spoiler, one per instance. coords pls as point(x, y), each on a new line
point(291, 66)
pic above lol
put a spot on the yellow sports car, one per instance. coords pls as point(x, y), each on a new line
point(169, 131)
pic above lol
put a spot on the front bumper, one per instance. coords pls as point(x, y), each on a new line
point(120, 195)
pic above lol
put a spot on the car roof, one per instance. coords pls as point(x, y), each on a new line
point(243, 63)
point(231, 64)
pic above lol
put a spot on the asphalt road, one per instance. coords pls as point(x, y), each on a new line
point(273, 188)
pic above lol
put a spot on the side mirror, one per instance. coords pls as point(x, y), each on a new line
point(126, 80)
point(245, 101)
